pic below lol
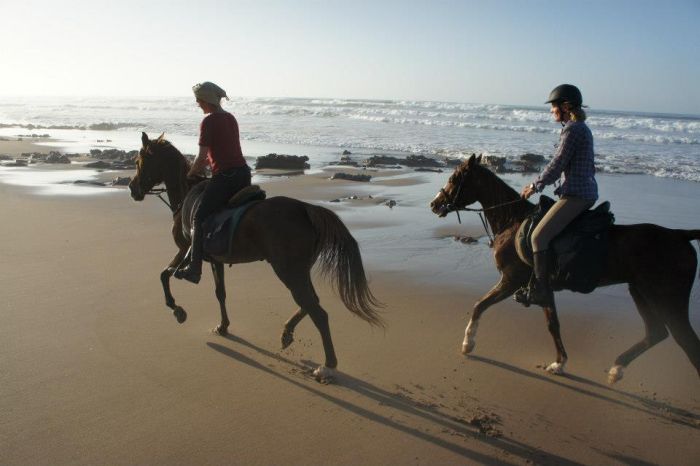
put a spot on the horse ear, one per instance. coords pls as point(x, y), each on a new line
point(471, 161)
point(161, 138)
point(144, 139)
point(478, 159)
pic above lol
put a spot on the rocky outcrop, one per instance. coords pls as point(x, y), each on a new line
point(56, 157)
point(282, 161)
point(350, 177)
point(410, 161)
point(121, 181)
point(98, 164)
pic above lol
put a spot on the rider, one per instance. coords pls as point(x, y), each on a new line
point(577, 189)
point(219, 147)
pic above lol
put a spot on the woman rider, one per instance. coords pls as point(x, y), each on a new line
point(577, 190)
point(220, 148)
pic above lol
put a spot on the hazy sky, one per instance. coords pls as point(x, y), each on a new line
point(625, 55)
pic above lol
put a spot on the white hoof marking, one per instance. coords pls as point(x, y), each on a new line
point(556, 368)
point(470, 337)
point(324, 374)
point(614, 374)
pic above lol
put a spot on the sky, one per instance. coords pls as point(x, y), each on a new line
point(635, 55)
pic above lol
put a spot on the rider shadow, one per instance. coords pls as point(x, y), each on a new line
point(415, 410)
point(658, 409)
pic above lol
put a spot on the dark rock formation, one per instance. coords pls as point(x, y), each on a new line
point(99, 164)
point(121, 181)
point(347, 176)
point(282, 161)
point(56, 157)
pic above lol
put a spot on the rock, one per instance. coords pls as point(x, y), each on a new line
point(410, 161)
point(56, 157)
point(533, 158)
point(99, 164)
point(494, 163)
point(347, 152)
point(377, 160)
point(421, 161)
point(466, 239)
point(89, 182)
point(346, 161)
point(424, 169)
point(347, 176)
point(282, 161)
point(15, 163)
point(121, 181)
point(390, 203)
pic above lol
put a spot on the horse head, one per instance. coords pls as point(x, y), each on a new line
point(461, 188)
point(152, 166)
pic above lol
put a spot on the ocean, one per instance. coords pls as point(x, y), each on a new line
point(660, 145)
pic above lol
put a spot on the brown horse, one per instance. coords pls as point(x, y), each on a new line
point(659, 264)
point(289, 234)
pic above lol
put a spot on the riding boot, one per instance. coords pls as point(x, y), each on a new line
point(193, 271)
point(540, 291)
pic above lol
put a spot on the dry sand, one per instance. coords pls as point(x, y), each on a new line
point(94, 369)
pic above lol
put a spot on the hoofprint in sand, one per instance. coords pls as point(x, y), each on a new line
point(94, 370)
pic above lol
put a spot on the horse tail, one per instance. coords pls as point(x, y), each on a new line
point(340, 260)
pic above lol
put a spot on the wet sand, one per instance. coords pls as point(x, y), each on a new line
point(94, 369)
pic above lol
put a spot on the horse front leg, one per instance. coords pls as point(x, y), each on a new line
point(217, 269)
point(503, 289)
point(165, 275)
point(557, 367)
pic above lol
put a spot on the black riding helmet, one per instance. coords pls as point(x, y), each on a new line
point(566, 93)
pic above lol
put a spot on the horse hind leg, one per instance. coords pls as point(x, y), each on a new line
point(685, 336)
point(301, 287)
point(289, 326)
point(655, 332)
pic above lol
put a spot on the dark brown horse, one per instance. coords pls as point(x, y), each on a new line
point(289, 234)
point(659, 264)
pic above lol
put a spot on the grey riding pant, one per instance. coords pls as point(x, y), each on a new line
point(559, 216)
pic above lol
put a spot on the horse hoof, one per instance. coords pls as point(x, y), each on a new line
point(468, 347)
point(287, 339)
point(324, 375)
point(556, 368)
point(180, 314)
point(614, 374)
point(220, 330)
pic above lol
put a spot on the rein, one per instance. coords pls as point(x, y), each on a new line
point(451, 208)
point(159, 192)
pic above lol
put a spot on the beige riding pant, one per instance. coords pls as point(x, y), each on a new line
point(559, 216)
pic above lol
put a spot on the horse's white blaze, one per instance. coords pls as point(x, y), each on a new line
point(470, 336)
point(614, 374)
point(556, 368)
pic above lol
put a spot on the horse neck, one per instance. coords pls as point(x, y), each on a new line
point(493, 194)
point(176, 182)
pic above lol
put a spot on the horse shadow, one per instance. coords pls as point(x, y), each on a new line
point(299, 374)
point(655, 408)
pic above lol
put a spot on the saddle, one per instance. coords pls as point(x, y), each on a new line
point(579, 251)
point(220, 227)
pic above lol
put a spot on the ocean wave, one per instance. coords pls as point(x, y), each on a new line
point(102, 126)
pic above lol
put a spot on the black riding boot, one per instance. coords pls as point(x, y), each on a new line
point(540, 291)
point(193, 271)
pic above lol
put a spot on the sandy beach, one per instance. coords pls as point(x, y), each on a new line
point(95, 370)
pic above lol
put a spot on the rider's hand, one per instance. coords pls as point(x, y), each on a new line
point(528, 191)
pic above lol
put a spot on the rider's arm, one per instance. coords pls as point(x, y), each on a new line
point(566, 149)
point(200, 162)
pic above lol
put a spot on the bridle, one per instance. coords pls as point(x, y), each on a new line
point(451, 207)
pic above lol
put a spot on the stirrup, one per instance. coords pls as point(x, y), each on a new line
point(522, 296)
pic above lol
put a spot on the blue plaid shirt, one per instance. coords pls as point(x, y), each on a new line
point(574, 158)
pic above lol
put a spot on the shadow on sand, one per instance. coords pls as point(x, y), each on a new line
point(429, 417)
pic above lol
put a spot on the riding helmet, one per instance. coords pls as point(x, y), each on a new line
point(566, 93)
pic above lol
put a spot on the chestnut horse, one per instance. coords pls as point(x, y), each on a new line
point(289, 234)
point(658, 263)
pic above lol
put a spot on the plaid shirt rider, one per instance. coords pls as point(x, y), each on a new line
point(574, 158)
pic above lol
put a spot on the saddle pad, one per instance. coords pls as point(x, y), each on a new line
point(220, 228)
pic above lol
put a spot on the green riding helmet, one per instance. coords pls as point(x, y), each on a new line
point(566, 93)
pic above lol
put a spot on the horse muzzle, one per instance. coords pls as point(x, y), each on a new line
point(137, 193)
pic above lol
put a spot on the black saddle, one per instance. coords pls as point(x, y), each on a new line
point(579, 251)
point(220, 227)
